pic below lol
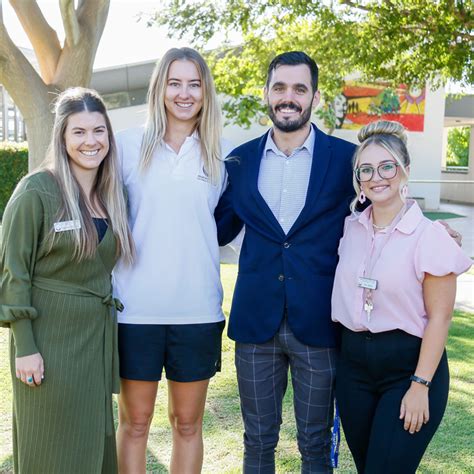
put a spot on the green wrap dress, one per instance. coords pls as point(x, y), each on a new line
point(64, 310)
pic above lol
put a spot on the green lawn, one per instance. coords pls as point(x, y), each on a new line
point(450, 451)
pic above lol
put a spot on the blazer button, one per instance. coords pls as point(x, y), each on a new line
point(286, 245)
point(281, 277)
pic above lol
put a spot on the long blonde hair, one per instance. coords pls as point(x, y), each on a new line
point(107, 188)
point(209, 120)
point(392, 137)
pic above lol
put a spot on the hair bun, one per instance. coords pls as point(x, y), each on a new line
point(383, 127)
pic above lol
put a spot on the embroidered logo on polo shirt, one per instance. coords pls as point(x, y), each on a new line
point(203, 175)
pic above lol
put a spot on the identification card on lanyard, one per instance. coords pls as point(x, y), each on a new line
point(367, 283)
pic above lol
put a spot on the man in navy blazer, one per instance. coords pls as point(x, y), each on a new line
point(291, 188)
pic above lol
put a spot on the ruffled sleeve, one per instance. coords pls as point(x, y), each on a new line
point(438, 254)
point(22, 224)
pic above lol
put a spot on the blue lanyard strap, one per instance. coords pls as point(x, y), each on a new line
point(335, 438)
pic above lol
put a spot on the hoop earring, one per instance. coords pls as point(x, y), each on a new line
point(404, 191)
point(362, 197)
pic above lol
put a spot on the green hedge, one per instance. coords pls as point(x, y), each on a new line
point(13, 166)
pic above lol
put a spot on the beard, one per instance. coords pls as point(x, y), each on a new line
point(288, 125)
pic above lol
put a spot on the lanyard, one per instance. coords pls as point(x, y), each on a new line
point(368, 283)
point(335, 438)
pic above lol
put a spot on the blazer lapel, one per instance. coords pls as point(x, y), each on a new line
point(319, 168)
point(253, 170)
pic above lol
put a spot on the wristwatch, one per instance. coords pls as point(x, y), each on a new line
point(415, 378)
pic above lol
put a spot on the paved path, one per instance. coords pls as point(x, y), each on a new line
point(464, 225)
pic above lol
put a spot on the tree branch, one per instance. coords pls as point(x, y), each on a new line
point(93, 13)
point(70, 22)
point(91, 16)
point(357, 5)
point(43, 38)
point(18, 76)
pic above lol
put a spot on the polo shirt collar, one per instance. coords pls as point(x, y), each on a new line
point(188, 141)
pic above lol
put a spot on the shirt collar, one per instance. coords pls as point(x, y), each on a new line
point(408, 222)
point(194, 135)
point(308, 144)
point(188, 141)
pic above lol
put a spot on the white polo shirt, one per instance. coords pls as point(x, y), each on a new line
point(175, 278)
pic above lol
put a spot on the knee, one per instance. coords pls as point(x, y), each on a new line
point(185, 427)
point(136, 425)
point(260, 444)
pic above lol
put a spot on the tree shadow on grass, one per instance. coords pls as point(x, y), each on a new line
point(153, 464)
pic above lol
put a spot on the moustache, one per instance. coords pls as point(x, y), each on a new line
point(288, 105)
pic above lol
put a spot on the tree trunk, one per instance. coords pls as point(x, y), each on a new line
point(61, 67)
point(38, 130)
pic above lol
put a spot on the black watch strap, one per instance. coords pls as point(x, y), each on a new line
point(417, 379)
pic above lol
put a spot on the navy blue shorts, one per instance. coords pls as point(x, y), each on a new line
point(187, 352)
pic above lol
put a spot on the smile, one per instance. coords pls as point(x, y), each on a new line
point(90, 152)
point(379, 188)
point(184, 105)
point(288, 108)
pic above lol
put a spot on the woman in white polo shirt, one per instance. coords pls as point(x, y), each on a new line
point(174, 174)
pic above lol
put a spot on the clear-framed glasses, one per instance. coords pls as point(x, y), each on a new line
point(386, 170)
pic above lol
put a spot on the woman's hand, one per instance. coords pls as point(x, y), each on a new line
point(452, 233)
point(415, 408)
point(30, 369)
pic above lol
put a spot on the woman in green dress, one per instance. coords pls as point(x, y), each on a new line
point(63, 230)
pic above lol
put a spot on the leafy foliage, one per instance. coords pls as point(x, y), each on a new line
point(402, 41)
point(13, 166)
point(458, 146)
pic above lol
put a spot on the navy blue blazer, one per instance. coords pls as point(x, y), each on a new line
point(294, 271)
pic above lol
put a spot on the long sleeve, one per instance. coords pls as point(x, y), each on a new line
point(228, 223)
point(22, 223)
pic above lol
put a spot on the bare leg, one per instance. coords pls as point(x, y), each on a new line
point(136, 405)
point(186, 401)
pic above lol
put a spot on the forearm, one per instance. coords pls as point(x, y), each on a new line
point(439, 294)
point(228, 222)
point(432, 347)
point(228, 231)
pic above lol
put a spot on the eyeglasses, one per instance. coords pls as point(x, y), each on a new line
point(385, 171)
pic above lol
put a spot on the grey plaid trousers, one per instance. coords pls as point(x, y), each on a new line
point(262, 374)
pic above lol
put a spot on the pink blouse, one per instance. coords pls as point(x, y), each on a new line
point(398, 258)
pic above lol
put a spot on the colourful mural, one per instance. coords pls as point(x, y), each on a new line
point(359, 104)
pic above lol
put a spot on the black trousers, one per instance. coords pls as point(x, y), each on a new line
point(373, 373)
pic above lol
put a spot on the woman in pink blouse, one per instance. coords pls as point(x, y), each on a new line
point(394, 294)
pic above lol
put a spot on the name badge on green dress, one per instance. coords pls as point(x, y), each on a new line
point(67, 225)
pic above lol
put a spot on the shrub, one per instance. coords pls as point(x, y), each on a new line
point(458, 146)
point(13, 166)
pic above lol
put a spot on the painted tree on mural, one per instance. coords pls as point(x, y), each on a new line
point(403, 41)
point(60, 66)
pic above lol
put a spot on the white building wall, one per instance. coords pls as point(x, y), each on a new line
point(128, 117)
point(425, 148)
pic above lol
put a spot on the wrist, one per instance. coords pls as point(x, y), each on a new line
point(23, 337)
point(420, 381)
